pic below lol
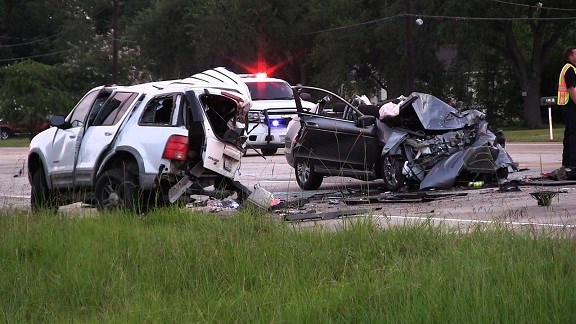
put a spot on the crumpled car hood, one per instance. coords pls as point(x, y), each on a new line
point(447, 149)
point(434, 114)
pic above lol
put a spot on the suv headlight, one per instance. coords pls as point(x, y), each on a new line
point(254, 116)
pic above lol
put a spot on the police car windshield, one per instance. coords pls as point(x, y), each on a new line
point(262, 90)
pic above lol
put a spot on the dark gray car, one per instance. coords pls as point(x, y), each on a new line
point(424, 142)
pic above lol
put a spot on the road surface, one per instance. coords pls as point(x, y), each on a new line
point(479, 205)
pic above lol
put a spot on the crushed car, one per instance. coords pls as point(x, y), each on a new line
point(414, 141)
point(133, 147)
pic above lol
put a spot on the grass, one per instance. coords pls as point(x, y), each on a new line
point(15, 142)
point(177, 266)
point(535, 135)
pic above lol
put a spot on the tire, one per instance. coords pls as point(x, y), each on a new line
point(41, 197)
point(117, 190)
point(4, 133)
point(392, 174)
point(269, 151)
point(502, 173)
point(306, 177)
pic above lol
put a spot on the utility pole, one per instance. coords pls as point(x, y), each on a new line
point(115, 43)
point(409, 86)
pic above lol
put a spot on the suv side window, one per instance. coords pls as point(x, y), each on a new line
point(161, 111)
point(114, 108)
point(82, 108)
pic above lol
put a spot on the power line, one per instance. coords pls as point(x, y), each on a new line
point(33, 56)
point(536, 6)
point(493, 18)
point(350, 26)
point(437, 17)
point(30, 42)
point(45, 38)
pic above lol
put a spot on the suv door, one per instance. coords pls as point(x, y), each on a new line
point(100, 133)
point(67, 140)
point(337, 143)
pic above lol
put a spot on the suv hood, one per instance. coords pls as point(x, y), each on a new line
point(273, 104)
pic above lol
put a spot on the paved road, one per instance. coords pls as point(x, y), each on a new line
point(273, 174)
point(273, 171)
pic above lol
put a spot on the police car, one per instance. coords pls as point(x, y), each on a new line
point(273, 107)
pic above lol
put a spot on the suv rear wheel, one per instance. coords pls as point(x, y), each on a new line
point(306, 177)
point(117, 189)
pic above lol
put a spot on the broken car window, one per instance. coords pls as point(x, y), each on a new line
point(92, 100)
point(114, 109)
point(221, 113)
point(159, 111)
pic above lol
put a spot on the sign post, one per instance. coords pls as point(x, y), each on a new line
point(549, 101)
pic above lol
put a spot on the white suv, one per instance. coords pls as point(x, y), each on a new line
point(133, 146)
point(273, 107)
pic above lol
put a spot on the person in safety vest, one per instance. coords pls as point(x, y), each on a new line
point(567, 103)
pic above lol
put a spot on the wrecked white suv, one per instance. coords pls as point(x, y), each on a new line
point(142, 145)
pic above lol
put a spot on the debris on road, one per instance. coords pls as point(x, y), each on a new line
point(324, 216)
point(544, 197)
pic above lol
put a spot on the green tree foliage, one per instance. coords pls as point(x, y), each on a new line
point(524, 34)
point(31, 91)
point(487, 53)
point(88, 64)
point(240, 35)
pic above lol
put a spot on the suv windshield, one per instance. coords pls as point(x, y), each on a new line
point(267, 90)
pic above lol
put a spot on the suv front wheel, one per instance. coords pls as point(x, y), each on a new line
point(41, 197)
point(269, 151)
point(117, 189)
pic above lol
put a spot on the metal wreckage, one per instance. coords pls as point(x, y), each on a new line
point(440, 145)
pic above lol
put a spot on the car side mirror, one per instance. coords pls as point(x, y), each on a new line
point(57, 121)
point(365, 121)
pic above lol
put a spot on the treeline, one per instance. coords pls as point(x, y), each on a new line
point(497, 56)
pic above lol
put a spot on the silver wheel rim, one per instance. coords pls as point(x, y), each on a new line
point(390, 171)
point(303, 171)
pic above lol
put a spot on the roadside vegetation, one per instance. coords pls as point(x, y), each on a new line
point(15, 142)
point(177, 266)
point(535, 135)
point(512, 135)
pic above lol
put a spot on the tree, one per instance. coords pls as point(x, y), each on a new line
point(30, 91)
point(89, 64)
point(524, 34)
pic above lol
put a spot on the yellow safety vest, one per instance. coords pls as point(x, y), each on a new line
point(563, 95)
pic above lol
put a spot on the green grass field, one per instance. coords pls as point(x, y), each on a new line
point(15, 142)
point(535, 135)
point(177, 266)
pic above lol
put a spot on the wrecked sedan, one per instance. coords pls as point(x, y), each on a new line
point(415, 141)
point(130, 147)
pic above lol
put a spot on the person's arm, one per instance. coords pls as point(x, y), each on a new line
point(572, 92)
point(570, 78)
